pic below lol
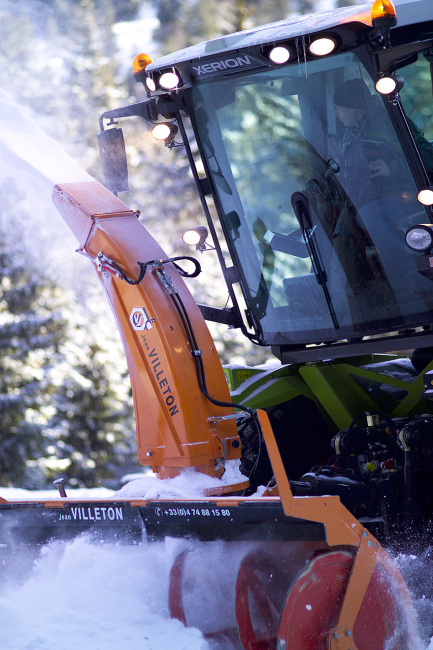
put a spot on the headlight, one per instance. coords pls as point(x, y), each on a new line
point(169, 80)
point(164, 131)
point(420, 238)
point(196, 237)
point(426, 196)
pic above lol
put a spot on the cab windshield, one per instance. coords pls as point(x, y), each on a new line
point(316, 196)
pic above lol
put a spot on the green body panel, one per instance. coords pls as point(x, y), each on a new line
point(263, 388)
point(342, 389)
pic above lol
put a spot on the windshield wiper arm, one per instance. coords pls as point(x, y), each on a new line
point(302, 211)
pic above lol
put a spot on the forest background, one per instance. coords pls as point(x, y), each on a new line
point(65, 400)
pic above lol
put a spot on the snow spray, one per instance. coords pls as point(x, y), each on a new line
point(94, 597)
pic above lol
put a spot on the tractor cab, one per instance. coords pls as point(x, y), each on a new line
point(317, 179)
point(315, 138)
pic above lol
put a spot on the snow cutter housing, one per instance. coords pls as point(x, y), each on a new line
point(322, 180)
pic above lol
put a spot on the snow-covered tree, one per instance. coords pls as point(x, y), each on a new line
point(31, 330)
point(92, 428)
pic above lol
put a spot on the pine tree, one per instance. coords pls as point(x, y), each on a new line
point(62, 62)
point(92, 423)
point(61, 410)
point(31, 330)
point(65, 404)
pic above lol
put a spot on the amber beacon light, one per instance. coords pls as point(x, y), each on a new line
point(139, 65)
point(383, 14)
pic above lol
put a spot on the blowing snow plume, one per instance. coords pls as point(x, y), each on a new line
point(31, 164)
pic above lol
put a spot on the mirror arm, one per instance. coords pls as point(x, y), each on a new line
point(146, 110)
point(150, 110)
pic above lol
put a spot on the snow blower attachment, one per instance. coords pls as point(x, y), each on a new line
point(323, 186)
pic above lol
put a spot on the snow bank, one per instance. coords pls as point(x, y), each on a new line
point(16, 494)
point(189, 484)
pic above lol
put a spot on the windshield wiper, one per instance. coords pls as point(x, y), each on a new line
point(302, 211)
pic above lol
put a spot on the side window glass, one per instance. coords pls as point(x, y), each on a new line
point(417, 99)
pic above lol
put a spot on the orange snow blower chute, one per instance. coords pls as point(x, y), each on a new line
point(171, 357)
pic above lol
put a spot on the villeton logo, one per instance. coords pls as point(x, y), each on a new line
point(140, 320)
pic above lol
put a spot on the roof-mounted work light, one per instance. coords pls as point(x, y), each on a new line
point(150, 84)
point(426, 196)
point(322, 46)
point(169, 80)
point(279, 54)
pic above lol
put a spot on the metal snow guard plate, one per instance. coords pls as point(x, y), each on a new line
point(39, 522)
point(132, 521)
point(226, 520)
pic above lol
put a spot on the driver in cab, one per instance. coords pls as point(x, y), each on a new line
point(366, 151)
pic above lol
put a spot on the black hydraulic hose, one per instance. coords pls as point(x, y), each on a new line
point(184, 316)
point(201, 377)
point(143, 266)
